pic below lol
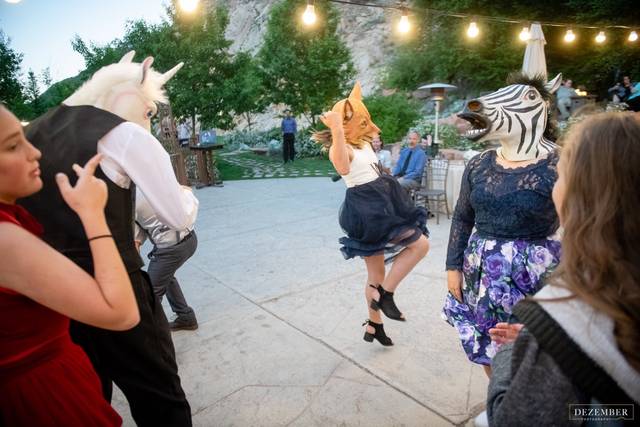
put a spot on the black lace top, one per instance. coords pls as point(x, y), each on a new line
point(502, 203)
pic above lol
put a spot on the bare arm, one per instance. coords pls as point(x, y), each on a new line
point(34, 269)
point(339, 154)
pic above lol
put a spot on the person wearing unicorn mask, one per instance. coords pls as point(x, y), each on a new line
point(377, 215)
point(110, 114)
point(505, 196)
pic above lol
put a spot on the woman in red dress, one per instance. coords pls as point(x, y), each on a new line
point(45, 379)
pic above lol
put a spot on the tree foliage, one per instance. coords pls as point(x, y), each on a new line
point(441, 51)
point(307, 69)
point(393, 114)
point(212, 86)
point(10, 87)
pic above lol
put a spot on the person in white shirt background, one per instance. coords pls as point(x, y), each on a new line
point(171, 249)
point(384, 156)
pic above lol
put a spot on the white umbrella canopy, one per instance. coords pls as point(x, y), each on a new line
point(534, 63)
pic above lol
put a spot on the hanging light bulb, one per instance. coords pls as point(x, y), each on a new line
point(309, 15)
point(600, 38)
point(404, 26)
point(633, 36)
point(189, 5)
point(525, 35)
point(569, 36)
point(473, 30)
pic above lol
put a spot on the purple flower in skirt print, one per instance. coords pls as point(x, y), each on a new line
point(496, 266)
point(497, 290)
point(540, 256)
point(524, 281)
point(520, 245)
point(465, 331)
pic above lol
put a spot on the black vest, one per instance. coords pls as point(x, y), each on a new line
point(67, 135)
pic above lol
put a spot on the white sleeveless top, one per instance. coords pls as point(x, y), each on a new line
point(362, 168)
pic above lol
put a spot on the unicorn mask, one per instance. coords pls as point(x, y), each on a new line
point(359, 129)
point(127, 89)
point(517, 115)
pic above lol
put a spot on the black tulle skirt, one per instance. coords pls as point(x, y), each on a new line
point(379, 218)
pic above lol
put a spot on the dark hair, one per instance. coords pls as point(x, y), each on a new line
point(600, 214)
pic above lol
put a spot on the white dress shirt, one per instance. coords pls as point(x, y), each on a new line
point(131, 153)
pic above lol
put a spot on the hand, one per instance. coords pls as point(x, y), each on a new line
point(332, 120)
point(454, 283)
point(89, 196)
point(505, 333)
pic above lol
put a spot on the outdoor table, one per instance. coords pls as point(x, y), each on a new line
point(204, 156)
point(454, 179)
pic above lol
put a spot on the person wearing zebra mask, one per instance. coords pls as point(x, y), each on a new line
point(506, 196)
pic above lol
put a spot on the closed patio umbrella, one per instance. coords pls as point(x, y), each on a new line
point(534, 63)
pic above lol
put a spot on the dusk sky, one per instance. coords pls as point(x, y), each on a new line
point(42, 29)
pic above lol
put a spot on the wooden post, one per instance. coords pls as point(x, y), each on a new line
point(169, 137)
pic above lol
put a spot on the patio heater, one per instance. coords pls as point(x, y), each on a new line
point(437, 92)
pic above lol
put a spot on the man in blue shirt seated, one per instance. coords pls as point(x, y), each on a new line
point(411, 163)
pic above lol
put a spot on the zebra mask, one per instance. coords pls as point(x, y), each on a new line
point(517, 115)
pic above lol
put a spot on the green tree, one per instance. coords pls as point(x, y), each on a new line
point(307, 69)
point(393, 114)
point(203, 87)
point(247, 87)
point(45, 76)
point(32, 95)
point(10, 87)
point(441, 51)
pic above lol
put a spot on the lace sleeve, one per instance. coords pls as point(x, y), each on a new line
point(463, 220)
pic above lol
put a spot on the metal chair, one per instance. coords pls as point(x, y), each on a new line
point(434, 193)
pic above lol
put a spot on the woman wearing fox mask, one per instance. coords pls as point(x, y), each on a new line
point(377, 214)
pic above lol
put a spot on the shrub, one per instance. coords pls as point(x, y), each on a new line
point(393, 114)
point(447, 135)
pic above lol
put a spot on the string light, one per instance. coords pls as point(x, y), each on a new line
point(404, 26)
point(569, 37)
point(189, 5)
point(473, 30)
point(309, 15)
point(524, 34)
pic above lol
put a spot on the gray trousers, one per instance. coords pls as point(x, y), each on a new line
point(162, 269)
point(408, 184)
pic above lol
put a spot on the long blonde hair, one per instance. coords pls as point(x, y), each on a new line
point(601, 216)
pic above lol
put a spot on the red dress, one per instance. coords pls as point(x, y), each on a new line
point(45, 379)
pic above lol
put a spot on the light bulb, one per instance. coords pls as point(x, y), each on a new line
point(309, 15)
point(473, 30)
point(13, 1)
point(189, 5)
point(404, 26)
point(524, 34)
point(569, 36)
point(600, 38)
point(633, 36)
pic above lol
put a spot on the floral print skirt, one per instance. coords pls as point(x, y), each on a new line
point(497, 274)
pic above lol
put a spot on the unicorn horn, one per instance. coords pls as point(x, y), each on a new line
point(128, 57)
point(166, 76)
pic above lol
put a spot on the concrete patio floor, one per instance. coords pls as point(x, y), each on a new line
point(280, 341)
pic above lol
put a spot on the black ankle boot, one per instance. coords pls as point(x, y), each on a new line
point(379, 335)
point(387, 304)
